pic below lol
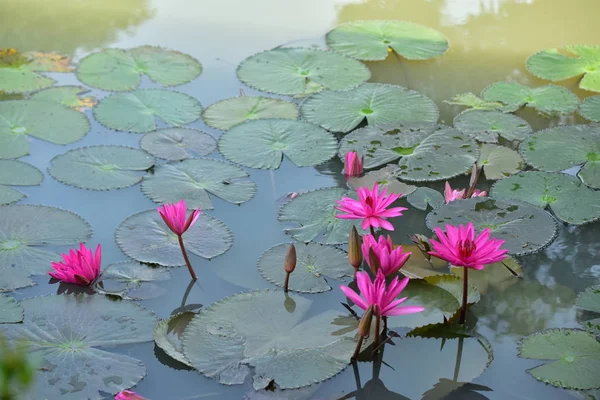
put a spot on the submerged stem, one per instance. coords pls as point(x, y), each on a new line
point(463, 309)
point(185, 257)
point(459, 351)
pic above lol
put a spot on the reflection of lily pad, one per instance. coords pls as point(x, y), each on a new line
point(176, 144)
point(11, 311)
point(499, 275)
point(131, 281)
point(590, 108)
point(100, 167)
point(499, 161)
point(385, 178)
point(380, 104)
point(145, 238)
point(68, 333)
point(589, 300)
point(486, 126)
point(16, 173)
point(425, 197)
point(315, 262)
point(549, 100)
point(67, 96)
point(136, 111)
point(230, 112)
point(168, 334)
point(263, 143)
point(524, 228)
point(117, 69)
point(371, 40)
point(23, 230)
point(19, 72)
point(192, 180)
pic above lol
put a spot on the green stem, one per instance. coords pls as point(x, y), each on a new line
point(187, 260)
point(463, 310)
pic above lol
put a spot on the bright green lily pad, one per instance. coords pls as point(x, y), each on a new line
point(499, 275)
point(51, 122)
point(19, 72)
point(425, 197)
point(100, 167)
point(131, 280)
point(548, 100)
point(419, 267)
point(380, 104)
point(168, 335)
point(300, 72)
point(136, 111)
point(230, 112)
point(474, 102)
point(192, 180)
point(118, 70)
point(68, 333)
point(16, 173)
point(11, 311)
point(24, 229)
point(175, 144)
point(524, 228)
point(68, 96)
point(590, 108)
point(146, 238)
point(385, 178)
point(499, 161)
point(371, 40)
point(486, 126)
point(573, 355)
point(589, 300)
point(263, 143)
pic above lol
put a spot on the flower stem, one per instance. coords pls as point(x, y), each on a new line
point(377, 333)
point(185, 257)
point(372, 231)
point(463, 310)
point(287, 281)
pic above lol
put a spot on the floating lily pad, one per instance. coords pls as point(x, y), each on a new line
point(136, 111)
point(263, 143)
point(385, 178)
point(68, 96)
point(589, 300)
point(573, 355)
point(11, 311)
point(168, 334)
point(590, 108)
point(131, 281)
point(100, 167)
point(47, 121)
point(548, 100)
point(176, 144)
point(68, 333)
point(192, 180)
point(256, 330)
point(230, 112)
point(300, 72)
point(117, 69)
point(486, 126)
point(145, 238)
point(24, 229)
point(474, 102)
point(425, 197)
point(17, 173)
point(19, 71)
point(579, 60)
point(371, 40)
point(419, 267)
point(499, 161)
point(380, 104)
point(315, 215)
point(499, 275)
point(524, 228)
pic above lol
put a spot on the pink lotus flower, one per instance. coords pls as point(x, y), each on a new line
point(79, 266)
point(174, 216)
point(455, 194)
point(370, 207)
point(390, 259)
point(353, 165)
point(128, 395)
point(382, 299)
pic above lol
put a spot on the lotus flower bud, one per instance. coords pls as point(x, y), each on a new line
point(373, 261)
point(290, 259)
point(364, 325)
point(355, 255)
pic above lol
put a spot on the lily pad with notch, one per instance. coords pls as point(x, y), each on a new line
point(230, 112)
point(385, 178)
point(175, 144)
point(168, 335)
point(17, 173)
point(487, 126)
point(20, 72)
point(131, 280)
point(589, 301)
point(425, 197)
point(68, 96)
point(499, 161)
point(548, 100)
point(590, 108)
point(11, 311)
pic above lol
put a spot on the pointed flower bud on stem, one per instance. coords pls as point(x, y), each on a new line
point(290, 265)
point(364, 328)
point(373, 261)
point(355, 255)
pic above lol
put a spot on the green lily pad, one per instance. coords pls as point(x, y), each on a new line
point(131, 280)
point(589, 300)
point(168, 335)
point(580, 60)
point(486, 126)
point(425, 197)
point(474, 102)
point(419, 267)
point(380, 104)
point(192, 180)
point(570, 200)
point(256, 330)
point(562, 147)
point(230, 112)
point(499, 161)
point(573, 355)
point(68, 333)
point(136, 111)
point(385, 178)
point(51, 122)
point(100, 167)
point(24, 229)
point(315, 262)
point(117, 69)
point(263, 143)
point(175, 144)
point(499, 275)
point(590, 108)
point(314, 213)
point(19, 71)
point(548, 100)
point(68, 96)
point(16, 173)
point(371, 40)
point(146, 238)
point(524, 228)
point(11, 311)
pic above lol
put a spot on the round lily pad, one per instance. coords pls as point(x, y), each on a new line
point(67, 333)
point(548, 100)
point(263, 143)
point(44, 120)
point(146, 238)
point(136, 111)
point(24, 229)
point(589, 300)
point(168, 334)
point(100, 167)
point(425, 197)
point(371, 40)
point(315, 262)
point(68, 96)
point(590, 108)
point(16, 173)
point(230, 112)
point(385, 178)
point(380, 104)
point(11, 311)
point(573, 358)
point(19, 72)
point(300, 72)
point(132, 281)
point(570, 200)
point(524, 228)
point(117, 69)
point(499, 161)
point(486, 126)
point(192, 180)
point(176, 144)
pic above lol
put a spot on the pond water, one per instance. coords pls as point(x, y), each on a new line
point(489, 41)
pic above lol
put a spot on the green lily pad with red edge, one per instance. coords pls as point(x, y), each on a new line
point(20, 72)
point(68, 96)
point(175, 144)
point(589, 300)
point(131, 280)
point(17, 173)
